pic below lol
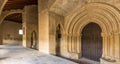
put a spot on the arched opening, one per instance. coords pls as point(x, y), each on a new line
point(58, 40)
point(33, 40)
point(10, 26)
point(92, 42)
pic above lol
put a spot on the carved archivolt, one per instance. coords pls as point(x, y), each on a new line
point(106, 16)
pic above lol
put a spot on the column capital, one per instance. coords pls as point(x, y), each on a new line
point(105, 34)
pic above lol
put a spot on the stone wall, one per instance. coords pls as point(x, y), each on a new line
point(1, 34)
point(30, 24)
point(54, 21)
point(105, 13)
point(10, 33)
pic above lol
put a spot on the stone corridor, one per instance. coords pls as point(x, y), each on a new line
point(10, 54)
point(81, 31)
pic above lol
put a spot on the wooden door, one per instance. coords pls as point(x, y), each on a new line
point(92, 42)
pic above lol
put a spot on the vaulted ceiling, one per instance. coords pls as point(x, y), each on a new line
point(61, 7)
point(17, 4)
point(64, 7)
point(17, 17)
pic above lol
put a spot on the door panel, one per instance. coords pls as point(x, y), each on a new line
point(92, 42)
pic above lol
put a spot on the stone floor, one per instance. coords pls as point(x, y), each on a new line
point(88, 61)
point(10, 54)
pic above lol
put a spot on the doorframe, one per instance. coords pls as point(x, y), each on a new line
point(102, 33)
point(99, 35)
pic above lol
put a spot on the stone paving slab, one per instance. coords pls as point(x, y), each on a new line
point(20, 55)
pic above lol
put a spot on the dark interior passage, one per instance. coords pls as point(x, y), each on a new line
point(58, 40)
point(33, 40)
point(92, 42)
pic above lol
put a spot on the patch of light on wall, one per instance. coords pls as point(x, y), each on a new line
point(20, 32)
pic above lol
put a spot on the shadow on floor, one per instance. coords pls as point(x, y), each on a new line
point(3, 58)
point(82, 61)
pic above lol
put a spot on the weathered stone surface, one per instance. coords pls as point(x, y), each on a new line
point(30, 24)
point(73, 16)
point(9, 32)
point(21, 55)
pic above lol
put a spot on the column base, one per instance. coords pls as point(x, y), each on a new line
point(108, 61)
point(74, 56)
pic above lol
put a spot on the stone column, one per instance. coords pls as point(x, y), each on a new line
point(112, 46)
point(74, 46)
point(104, 41)
point(117, 45)
point(76, 43)
point(70, 43)
point(79, 45)
point(108, 45)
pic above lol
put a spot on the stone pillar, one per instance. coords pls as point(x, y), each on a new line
point(79, 45)
point(70, 43)
point(44, 32)
point(30, 23)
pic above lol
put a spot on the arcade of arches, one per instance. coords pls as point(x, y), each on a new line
point(73, 29)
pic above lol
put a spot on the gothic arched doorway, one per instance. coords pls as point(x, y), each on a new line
point(92, 42)
point(58, 40)
point(33, 40)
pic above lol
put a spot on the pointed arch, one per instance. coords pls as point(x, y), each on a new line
point(61, 28)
